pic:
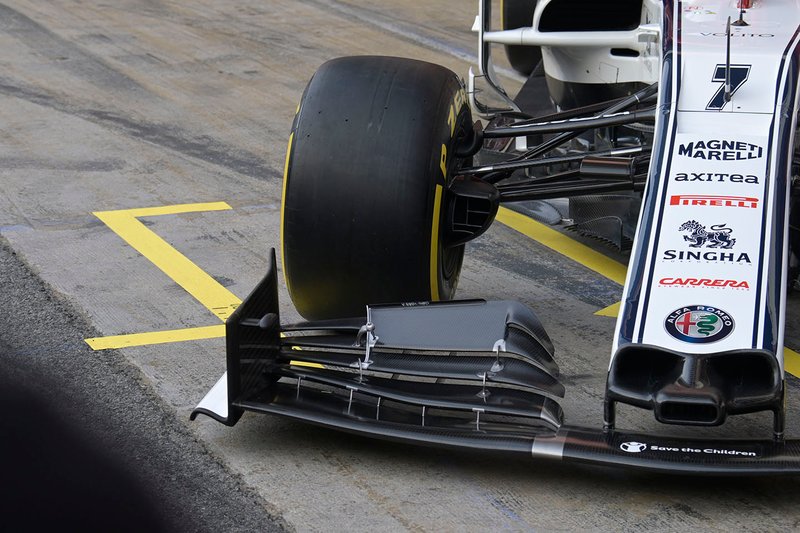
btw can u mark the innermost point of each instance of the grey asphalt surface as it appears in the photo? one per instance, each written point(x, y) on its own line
point(86, 444)
point(147, 103)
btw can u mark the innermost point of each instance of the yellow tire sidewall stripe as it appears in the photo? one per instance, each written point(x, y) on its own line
point(283, 204)
point(434, 275)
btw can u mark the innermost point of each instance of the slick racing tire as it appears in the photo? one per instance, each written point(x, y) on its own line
point(370, 156)
point(519, 14)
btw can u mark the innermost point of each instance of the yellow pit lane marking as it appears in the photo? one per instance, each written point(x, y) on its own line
point(157, 337)
point(558, 242)
point(592, 259)
point(204, 288)
point(597, 262)
point(220, 301)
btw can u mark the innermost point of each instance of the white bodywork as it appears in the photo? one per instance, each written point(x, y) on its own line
point(715, 232)
point(719, 170)
point(586, 57)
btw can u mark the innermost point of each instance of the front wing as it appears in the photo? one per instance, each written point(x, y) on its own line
point(494, 389)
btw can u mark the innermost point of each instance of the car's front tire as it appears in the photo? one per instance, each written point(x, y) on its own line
point(370, 156)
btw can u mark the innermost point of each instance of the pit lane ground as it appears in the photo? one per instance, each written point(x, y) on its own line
point(141, 157)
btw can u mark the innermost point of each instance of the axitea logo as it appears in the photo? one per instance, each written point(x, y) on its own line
point(716, 177)
point(719, 150)
point(703, 282)
point(718, 201)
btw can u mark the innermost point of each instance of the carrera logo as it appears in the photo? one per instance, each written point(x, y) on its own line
point(718, 150)
point(716, 177)
point(718, 201)
point(699, 324)
point(703, 282)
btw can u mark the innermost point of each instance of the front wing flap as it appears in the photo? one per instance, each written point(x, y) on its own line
point(396, 380)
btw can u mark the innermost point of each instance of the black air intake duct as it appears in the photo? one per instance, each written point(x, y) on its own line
point(694, 389)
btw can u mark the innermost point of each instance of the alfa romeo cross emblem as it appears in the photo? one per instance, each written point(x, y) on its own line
point(699, 324)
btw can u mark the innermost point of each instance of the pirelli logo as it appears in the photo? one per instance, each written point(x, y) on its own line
point(717, 201)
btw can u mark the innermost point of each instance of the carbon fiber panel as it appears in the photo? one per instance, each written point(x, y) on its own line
point(515, 371)
point(503, 401)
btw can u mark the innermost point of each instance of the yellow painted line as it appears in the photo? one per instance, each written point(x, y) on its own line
point(192, 278)
point(176, 209)
point(283, 200)
point(204, 288)
point(611, 311)
point(591, 259)
point(594, 260)
point(156, 337)
point(791, 362)
point(437, 206)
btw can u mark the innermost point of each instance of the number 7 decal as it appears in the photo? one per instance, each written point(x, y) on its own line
point(739, 75)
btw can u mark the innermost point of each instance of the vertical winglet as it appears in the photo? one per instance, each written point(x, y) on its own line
point(252, 343)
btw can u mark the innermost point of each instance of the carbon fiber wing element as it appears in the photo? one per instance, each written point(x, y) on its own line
point(450, 365)
point(471, 374)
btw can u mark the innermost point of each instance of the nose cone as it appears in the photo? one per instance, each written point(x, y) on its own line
point(695, 389)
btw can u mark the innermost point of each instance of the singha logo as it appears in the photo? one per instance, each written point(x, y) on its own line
point(718, 237)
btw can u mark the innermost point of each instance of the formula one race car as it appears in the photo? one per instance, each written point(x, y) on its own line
point(670, 127)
